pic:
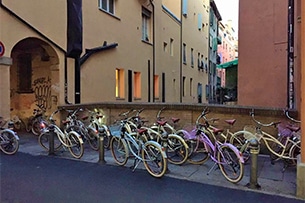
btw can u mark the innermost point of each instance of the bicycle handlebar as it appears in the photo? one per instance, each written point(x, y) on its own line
point(263, 124)
point(286, 112)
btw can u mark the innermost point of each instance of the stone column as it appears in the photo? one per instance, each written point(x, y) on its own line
point(5, 63)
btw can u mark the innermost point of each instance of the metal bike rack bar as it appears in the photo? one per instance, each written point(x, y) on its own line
point(254, 151)
point(101, 159)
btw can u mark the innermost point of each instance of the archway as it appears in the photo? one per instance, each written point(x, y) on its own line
point(34, 77)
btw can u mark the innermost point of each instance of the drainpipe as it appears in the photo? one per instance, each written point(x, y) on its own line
point(154, 54)
point(181, 43)
point(290, 56)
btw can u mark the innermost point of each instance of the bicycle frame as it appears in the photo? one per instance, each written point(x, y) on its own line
point(289, 143)
point(211, 148)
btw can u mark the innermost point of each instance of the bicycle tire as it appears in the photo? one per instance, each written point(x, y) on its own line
point(36, 127)
point(199, 154)
point(75, 144)
point(29, 124)
point(119, 150)
point(230, 163)
point(93, 139)
point(177, 150)
point(9, 144)
point(154, 159)
point(19, 125)
point(294, 151)
point(239, 140)
point(43, 141)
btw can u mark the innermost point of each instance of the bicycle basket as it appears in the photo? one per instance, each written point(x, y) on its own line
point(115, 130)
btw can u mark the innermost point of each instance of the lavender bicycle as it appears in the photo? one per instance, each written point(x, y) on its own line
point(225, 155)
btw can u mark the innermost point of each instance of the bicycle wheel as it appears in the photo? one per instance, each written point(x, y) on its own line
point(36, 127)
point(230, 163)
point(154, 159)
point(177, 150)
point(119, 150)
point(93, 139)
point(43, 141)
point(199, 154)
point(294, 151)
point(75, 143)
point(239, 140)
point(29, 124)
point(9, 144)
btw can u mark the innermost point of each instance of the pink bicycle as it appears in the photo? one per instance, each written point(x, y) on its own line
point(225, 155)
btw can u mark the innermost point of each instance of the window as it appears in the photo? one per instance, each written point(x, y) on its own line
point(137, 85)
point(107, 5)
point(146, 23)
point(164, 46)
point(119, 83)
point(191, 87)
point(24, 73)
point(184, 54)
point(192, 57)
point(156, 84)
point(198, 61)
point(171, 51)
point(183, 86)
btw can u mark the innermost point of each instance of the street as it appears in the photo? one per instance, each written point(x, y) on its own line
point(27, 178)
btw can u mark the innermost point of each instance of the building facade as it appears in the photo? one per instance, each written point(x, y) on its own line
point(154, 51)
point(265, 78)
point(227, 49)
point(214, 40)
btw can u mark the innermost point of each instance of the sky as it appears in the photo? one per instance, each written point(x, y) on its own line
point(228, 10)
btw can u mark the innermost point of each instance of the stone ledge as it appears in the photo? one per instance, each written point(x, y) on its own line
point(6, 61)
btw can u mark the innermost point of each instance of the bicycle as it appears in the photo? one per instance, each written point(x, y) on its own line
point(9, 140)
point(224, 136)
point(101, 128)
point(177, 149)
point(150, 153)
point(225, 155)
point(37, 121)
point(286, 151)
point(87, 132)
point(71, 140)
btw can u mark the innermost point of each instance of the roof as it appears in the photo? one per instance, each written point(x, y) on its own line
point(228, 64)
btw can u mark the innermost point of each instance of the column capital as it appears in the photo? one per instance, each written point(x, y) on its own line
point(6, 61)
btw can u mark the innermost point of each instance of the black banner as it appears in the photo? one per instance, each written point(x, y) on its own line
point(74, 28)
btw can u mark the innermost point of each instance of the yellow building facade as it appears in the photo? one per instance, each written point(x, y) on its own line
point(132, 51)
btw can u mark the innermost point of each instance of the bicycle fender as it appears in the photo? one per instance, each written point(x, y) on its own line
point(236, 151)
point(158, 145)
point(12, 132)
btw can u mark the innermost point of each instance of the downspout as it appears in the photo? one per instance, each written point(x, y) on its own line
point(154, 54)
point(181, 44)
point(290, 56)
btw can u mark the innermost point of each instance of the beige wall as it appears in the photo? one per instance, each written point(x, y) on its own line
point(198, 40)
point(46, 21)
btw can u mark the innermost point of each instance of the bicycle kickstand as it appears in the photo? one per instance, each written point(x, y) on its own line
point(212, 168)
point(135, 164)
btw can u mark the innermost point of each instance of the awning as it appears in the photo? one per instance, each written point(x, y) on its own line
point(228, 64)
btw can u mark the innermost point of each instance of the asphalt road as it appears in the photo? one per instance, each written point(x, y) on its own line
point(26, 178)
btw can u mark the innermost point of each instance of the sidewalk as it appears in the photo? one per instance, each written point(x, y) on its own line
point(271, 179)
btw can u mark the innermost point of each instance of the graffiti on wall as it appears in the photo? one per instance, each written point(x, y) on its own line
point(42, 91)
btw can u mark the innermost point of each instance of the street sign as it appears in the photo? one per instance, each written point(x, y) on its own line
point(2, 49)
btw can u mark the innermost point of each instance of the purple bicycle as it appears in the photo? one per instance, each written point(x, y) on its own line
point(225, 155)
